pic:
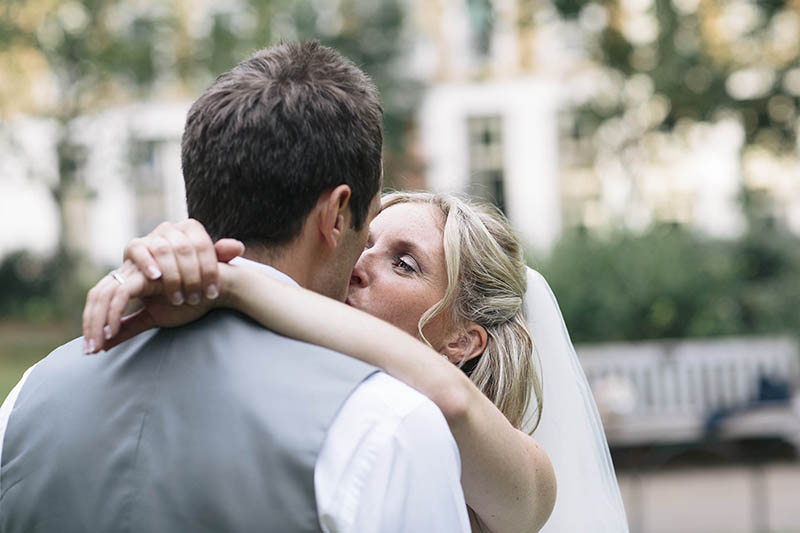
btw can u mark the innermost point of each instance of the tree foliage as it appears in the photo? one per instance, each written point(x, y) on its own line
point(697, 56)
point(688, 61)
point(96, 53)
point(670, 283)
point(92, 54)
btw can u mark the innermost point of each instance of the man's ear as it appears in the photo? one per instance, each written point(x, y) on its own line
point(334, 214)
point(466, 344)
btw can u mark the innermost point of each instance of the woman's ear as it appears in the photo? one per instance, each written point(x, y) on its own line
point(466, 344)
point(334, 214)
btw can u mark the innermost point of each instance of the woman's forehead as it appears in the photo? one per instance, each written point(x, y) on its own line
point(406, 213)
point(413, 221)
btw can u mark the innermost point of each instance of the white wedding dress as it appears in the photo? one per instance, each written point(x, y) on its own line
point(570, 431)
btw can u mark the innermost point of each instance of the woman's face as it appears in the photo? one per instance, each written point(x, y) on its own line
point(401, 272)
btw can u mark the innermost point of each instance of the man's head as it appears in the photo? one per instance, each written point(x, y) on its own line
point(271, 136)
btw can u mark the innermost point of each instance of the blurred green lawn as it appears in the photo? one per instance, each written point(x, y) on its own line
point(24, 343)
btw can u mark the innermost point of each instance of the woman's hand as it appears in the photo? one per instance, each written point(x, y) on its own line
point(178, 259)
point(183, 256)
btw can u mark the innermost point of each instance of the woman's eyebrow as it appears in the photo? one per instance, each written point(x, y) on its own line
point(414, 249)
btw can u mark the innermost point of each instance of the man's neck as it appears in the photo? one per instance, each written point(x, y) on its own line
point(286, 260)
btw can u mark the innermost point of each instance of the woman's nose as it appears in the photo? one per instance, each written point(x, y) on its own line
point(359, 275)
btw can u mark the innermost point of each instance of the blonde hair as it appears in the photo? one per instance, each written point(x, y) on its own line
point(486, 283)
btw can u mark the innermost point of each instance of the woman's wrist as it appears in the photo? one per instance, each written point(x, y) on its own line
point(229, 286)
point(237, 284)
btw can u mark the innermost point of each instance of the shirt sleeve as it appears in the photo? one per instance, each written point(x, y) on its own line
point(415, 482)
point(5, 413)
point(397, 471)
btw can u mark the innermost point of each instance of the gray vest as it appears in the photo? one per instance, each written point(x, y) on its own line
point(215, 426)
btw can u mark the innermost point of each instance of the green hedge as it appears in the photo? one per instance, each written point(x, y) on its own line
point(41, 289)
point(665, 283)
point(670, 283)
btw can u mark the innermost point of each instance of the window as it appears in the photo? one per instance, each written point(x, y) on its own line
point(486, 159)
point(149, 187)
point(481, 21)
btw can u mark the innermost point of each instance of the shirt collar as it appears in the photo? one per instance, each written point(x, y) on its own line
point(265, 269)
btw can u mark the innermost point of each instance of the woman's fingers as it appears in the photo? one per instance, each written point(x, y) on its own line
point(95, 313)
point(114, 291)
point(88, 313)
point(227, 249)
point(138, 252)
point(131, 326)
point(184, 257)
point(135, 286)
point(188, 265)
point(206, 257)
point(162, 251)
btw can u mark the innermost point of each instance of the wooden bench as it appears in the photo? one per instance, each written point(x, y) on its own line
point(669, 392)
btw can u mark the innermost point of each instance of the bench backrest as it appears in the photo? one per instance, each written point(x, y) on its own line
point(694, 376)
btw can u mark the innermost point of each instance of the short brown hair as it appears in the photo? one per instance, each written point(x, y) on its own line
point(272, 134)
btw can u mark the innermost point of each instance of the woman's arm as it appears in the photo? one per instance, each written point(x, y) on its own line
point(507, 478)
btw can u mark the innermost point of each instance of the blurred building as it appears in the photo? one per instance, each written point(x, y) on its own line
point(488, 123)
point(132, 180)
point(501, 79)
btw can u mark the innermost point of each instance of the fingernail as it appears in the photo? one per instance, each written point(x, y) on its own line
point(177, 298)
point(194, 299)
point(212, 292)
point(92, 346)
point(107, 331)
point(153, 272)
point(85, 347)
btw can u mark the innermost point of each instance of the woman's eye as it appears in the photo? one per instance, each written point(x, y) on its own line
point(407, 267)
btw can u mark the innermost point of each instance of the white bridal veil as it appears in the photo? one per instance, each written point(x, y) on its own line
point(570, 430)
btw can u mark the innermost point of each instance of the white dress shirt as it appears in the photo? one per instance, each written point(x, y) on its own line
point(388, 463)
point(5, 412)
